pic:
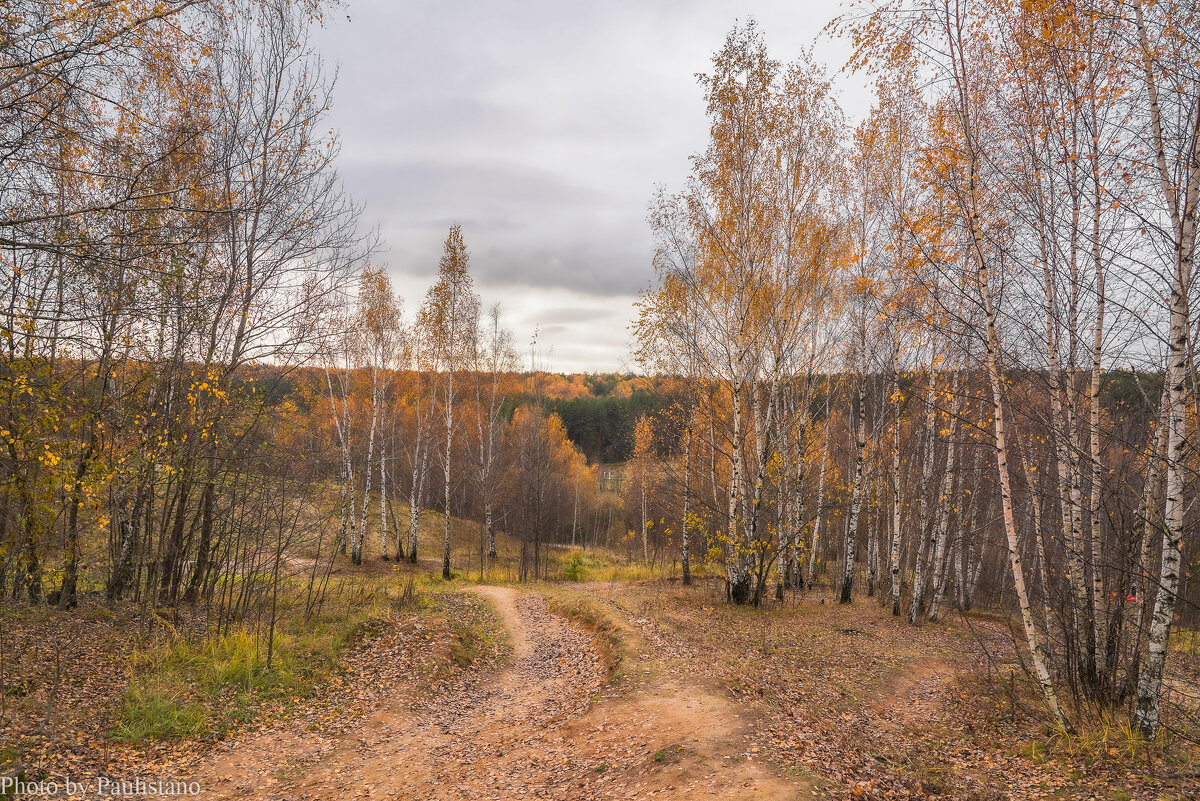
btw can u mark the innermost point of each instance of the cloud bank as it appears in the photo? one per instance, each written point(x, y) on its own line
point(543, 128)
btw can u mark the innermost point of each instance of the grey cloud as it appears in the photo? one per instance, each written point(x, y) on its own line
point(542, 127)
point(600, 269)
point(419, 189)
point(567, 316)
point(524, 226)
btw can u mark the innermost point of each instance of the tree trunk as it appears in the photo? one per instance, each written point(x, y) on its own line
point(356, 551)
point(684, 557)
point(1149, 692)
point(449, 448)
point(992, 339)
point(383, 495)
point(817, 515)
point(850, 543)
point(924, 545)
point(894, 547)
point(942, 512)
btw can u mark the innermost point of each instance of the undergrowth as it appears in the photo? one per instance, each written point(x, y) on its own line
point(1108, 737)
point(193, 685)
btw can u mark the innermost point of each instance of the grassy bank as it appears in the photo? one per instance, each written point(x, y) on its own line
point(615, 641)
point(184, 686)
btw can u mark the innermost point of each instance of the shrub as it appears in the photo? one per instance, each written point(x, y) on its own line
point(573, 571)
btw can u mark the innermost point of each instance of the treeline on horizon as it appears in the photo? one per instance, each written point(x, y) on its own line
point(598, 410)
point(602, 423)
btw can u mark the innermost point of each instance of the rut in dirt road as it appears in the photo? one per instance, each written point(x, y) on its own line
point(554, 673)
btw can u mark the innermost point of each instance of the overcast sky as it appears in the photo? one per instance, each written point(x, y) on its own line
point(542, 126)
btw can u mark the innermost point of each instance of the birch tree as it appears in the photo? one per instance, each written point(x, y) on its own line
point(750, 249)
point(378, 334)
point(948, 36)
point(495, 359)
point(1167, 43)
point(450, 317)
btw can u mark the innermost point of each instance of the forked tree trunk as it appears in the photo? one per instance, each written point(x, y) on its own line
point(489, 526)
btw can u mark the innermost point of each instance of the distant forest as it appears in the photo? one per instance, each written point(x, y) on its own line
point(602, 424)
point(599, 410)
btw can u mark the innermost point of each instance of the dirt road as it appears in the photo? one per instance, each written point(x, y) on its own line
point(537, 728)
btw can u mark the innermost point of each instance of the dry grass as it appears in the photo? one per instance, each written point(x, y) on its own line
point(134, 676)
point(869, 702)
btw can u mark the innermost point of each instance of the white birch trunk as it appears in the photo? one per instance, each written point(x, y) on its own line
point(417, 488)
point(818, 513)
point(1151, 523)
point(894, 547)
point(1036, 648)
point(735, 560)
point(924, 546)
point(1099, 611)
point(851, 537)
point(383, 528)
point(684, 556)
point(942, 511)
point(357, 548)
point(1035, 507)
point(1183, 218)
point(446, 471)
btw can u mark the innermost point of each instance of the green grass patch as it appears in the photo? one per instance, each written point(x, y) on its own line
point(595, 565)
point(159, 709)
point(470, 643)
point(188, 686)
